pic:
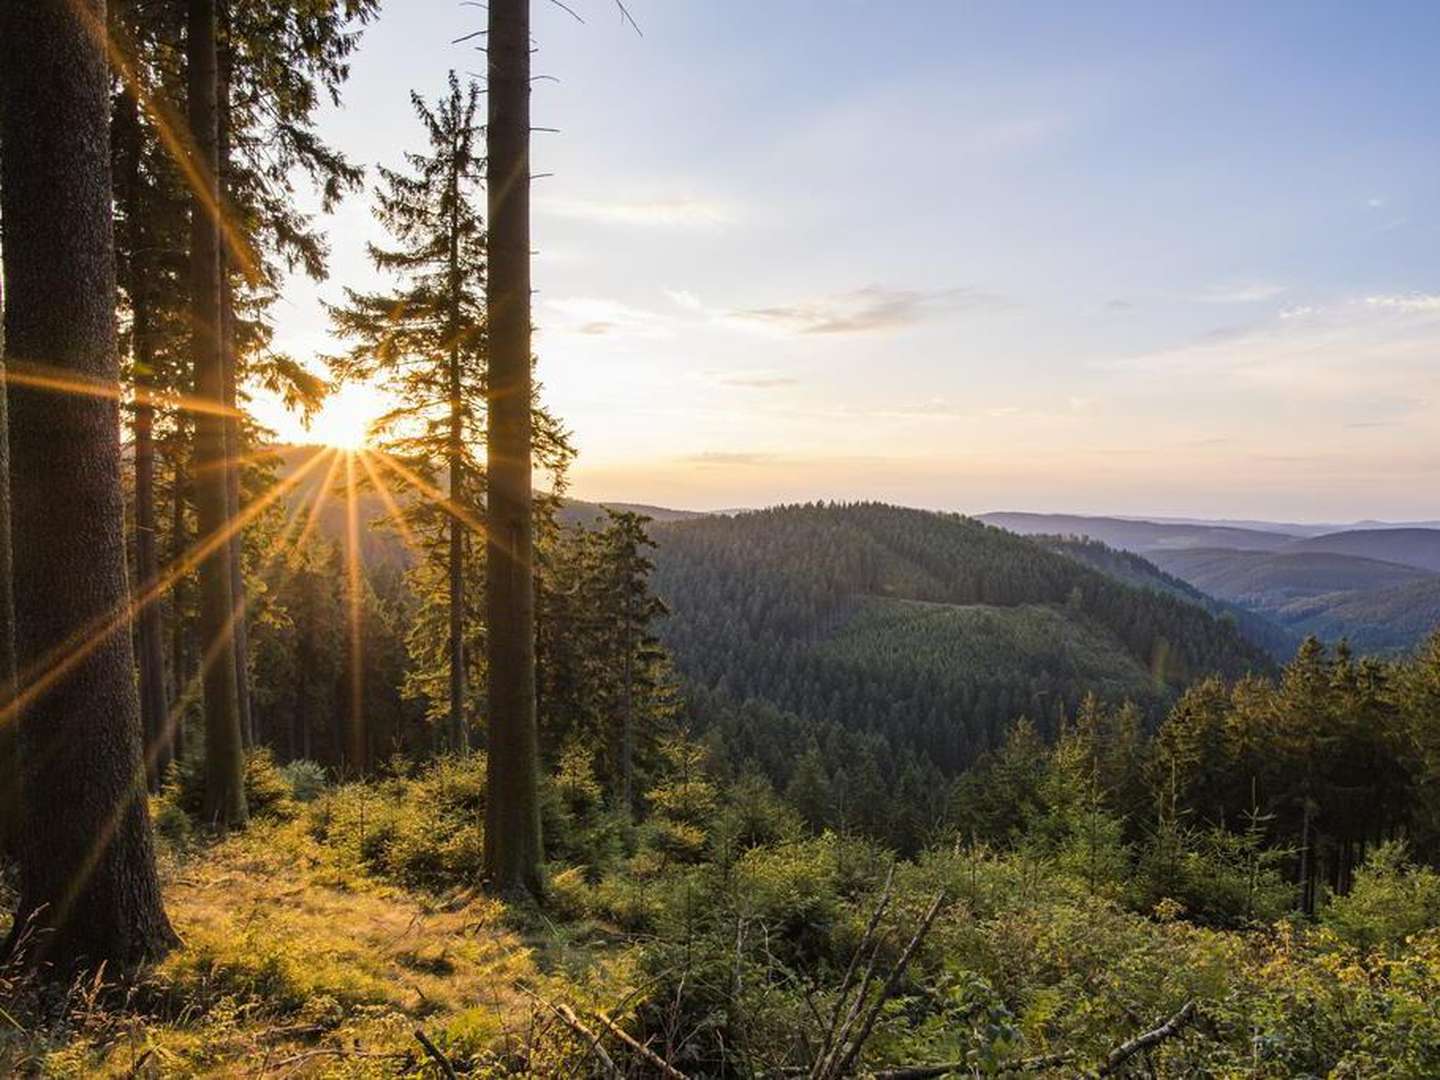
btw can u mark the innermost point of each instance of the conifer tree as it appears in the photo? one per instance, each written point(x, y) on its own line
point(87, 868)
point(426, 343)
point(224, 750)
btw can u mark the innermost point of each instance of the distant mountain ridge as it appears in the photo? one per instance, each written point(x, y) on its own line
point(1375, 586)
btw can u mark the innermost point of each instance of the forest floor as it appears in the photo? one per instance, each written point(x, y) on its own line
point(294, 965)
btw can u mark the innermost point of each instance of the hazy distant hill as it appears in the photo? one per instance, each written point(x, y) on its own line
point(1390, 619)
point(1369, 584)
point(1375, 605)
point(1411, 546)
point(934, 629)
point(1140, 536)
point(1269, 579)
point(576, 512)
point(379, 542)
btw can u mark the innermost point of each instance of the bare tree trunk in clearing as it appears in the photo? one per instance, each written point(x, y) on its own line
point(87, 866)
point(513, 849)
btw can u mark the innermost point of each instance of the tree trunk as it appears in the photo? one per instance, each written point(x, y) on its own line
point(627, 736)
point(224, 803)
point(236, 545)
point(87, 866)
point(9, 745)
point(459, 732)
point(513, 849)
point(149, 644)
point(179, 668)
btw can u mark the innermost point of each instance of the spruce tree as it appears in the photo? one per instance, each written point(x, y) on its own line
point(425, 342)
point(87, 868)
point(224, 750)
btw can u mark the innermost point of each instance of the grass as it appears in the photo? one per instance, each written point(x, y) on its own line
point(295, 964)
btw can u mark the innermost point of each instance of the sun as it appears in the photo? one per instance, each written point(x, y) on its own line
point(344, 420)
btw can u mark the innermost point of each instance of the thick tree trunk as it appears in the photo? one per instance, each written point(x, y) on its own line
point(149, 644)
point(513, 849)
point(9, 745)
point(87, 867)
point(224, 752)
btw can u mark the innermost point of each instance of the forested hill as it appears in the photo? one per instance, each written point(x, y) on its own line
point(1280, 642)
point(932, 630)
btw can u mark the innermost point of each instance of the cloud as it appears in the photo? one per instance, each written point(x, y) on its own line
point(758, 380)
point(1366, 358)
point(730, 457)
point(1410, 303)
point(685, 298)
point(597, 317)
point(1247, 293)
point(870, 308)
point(1119, 305)
point(672, 213)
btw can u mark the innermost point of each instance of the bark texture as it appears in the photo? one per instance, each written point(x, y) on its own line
point(224, 751)
point(149, 643)
point(87, 865)
point(513, 850)
point(9, 756)
point(459, 729)
point(233, 439)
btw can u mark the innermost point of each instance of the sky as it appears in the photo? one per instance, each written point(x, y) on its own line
point(1138, 258)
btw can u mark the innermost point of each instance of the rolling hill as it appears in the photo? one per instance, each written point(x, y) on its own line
point(1265, 580)
point(1142, 536)
point(934, 630)
point(1132, 569)
point(1373, 585)
point(1409, 546)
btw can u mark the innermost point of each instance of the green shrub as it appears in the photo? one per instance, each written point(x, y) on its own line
point(307, 779)
point(1390, 901)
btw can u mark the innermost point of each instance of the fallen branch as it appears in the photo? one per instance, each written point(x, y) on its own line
point(569, 1019)
point(435, 1054)
point(945, 1068)
point(337, 1051)
point(1125, 1051)
point(666, 1069)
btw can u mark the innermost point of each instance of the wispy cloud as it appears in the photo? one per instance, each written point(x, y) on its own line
point(1243, 293)
point(730, 457)
point(681, 212)
point(757, 380)
point(1370, 357)
point(594, 316)
point(1410, 303)
point(685, 298)
point(870, 308)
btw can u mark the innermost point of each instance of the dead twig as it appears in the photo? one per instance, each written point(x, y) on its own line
point(930, 1072)
point(435, 1054)
point(1125, 1051)
point(666, 1069)
point(569, 1019)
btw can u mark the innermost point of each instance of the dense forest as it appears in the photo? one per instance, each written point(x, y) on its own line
point(930, 632)
point(391, 760)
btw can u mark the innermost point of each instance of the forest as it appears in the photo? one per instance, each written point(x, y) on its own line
point(393, 760)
